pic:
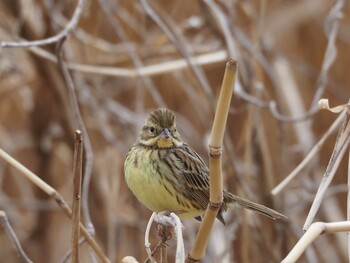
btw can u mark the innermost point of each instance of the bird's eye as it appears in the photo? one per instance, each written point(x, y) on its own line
point(152, 129)
point(175, 130)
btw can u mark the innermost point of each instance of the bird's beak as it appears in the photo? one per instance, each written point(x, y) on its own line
point(165, 133)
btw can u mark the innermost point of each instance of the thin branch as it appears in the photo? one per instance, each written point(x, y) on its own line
point(68, 254)
point(132, 52)
point(170, 29)
point(149, 70)
point(332, 26)
point(281, 117)
point(164, 220)
point(172, 221)
point(77, 172)
point(63, 34)
point(11, 233)
point(27, 173)
point(147, 243)
point(272, 106)
point(309, 157)
point(315, 230)
point(223, 24)
point(89, 155)
point(53, 195)
point(341, 144)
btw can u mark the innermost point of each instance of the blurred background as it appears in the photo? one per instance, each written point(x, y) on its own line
point(129, 57)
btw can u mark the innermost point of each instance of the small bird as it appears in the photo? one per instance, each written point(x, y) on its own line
point(166, 174)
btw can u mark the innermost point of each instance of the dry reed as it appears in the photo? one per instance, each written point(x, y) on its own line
point(124, 58)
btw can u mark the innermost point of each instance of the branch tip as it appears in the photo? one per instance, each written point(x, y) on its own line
point(232, 63)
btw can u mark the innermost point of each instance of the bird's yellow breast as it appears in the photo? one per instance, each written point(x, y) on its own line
point(145, 175)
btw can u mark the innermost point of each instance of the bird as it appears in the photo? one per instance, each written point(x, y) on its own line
point(166, 174)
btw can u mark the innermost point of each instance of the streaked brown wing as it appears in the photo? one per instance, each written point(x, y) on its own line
point(193, 175)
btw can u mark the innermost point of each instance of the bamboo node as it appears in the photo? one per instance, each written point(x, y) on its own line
point(215, 206)
point(215, 152)
point(190, 259)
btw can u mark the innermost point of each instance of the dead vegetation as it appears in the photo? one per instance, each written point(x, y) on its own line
point(126, 57)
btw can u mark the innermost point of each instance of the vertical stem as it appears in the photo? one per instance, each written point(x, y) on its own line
point(53, 195)
point(215, 148)
point(163, 253)
point(77, 171)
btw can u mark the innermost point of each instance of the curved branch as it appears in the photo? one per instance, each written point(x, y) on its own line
point(64, 33)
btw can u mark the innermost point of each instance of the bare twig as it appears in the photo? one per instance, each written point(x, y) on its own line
point(309, 157)
point(223, 24)
point(332, 26)
point(63, 34)
point(54, 195)
point(89, 155)
point(7, 226)
point(68, 254)
point(132, 53)
point(149, 70)
point(341, 144)
point(281, 117)
point(77, 171)
point(147, 243)
point(170, 29)
point(315, 230)
point(163, 253)
point(173, 221)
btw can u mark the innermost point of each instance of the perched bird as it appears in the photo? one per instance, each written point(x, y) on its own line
point(166, 174)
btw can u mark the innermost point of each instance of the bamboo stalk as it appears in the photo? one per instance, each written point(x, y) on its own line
point(215, 164)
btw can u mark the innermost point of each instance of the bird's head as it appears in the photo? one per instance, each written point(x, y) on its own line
point(160, 130)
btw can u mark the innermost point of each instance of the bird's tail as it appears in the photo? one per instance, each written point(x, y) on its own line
point(234, 201)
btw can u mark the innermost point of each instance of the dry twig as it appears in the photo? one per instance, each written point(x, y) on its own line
point(89, 155)
point(309, 157)
point(63, 34)
point(170, 29)
point(140, 71)
point(132, 53)
point(77, 171)
point(52, 193)
point(315, 230)
point(166, 224)
point(341, 144)
point(11, 233)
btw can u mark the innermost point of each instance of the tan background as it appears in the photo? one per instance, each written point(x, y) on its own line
point(280, 47)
